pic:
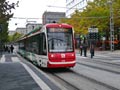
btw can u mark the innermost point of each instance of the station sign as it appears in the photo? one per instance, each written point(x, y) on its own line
point(93, 30)
point(93, 33)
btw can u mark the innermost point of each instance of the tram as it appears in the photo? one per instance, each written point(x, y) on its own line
point(52, 46)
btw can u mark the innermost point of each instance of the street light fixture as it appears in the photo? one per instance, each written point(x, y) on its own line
point(110, 2)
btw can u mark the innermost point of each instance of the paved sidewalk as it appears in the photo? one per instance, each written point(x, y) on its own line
point(17, 74)
point(103, 56)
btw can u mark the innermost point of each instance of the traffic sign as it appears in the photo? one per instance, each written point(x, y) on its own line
point(93, 33)
point(93, 36)
point(93, 30)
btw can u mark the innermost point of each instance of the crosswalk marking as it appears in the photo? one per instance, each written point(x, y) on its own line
point(40, 82)
point(15, 59)
point(2, 59)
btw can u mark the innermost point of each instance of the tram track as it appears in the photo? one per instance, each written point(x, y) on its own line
point(66, 84)
point(99, 68)
point(82, 80)
point(85, 79)
point(63, 82)
point(98, 82)
point(108, 60)
point(103, 62)
point(69, 86)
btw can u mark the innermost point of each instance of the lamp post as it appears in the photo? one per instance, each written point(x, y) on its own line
point(110, 2)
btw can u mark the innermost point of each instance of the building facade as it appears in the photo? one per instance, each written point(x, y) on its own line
point(32, 26)
point(21, 30)
point(72, 5)
point(11, 32)
point(49, 17)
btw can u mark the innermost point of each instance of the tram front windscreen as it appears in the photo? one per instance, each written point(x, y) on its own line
point(60, 39)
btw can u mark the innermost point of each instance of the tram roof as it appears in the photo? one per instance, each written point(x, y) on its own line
point(64, 25)
point(33, 31)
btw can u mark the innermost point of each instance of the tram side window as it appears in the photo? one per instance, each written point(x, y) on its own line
point(34, 43)
point(42, 45)
point(21, 45)
point(29, 45)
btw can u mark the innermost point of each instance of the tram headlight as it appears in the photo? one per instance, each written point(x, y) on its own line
point(52, 55)
point(72, 55)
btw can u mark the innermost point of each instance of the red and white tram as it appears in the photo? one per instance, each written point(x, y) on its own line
point(52, 46)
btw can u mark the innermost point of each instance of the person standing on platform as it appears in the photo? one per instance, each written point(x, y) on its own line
point(92, 50)
point(81, 47)
point(85, 45)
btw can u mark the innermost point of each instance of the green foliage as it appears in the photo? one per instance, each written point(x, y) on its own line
point(5, 15)
point(14, 37)
point(96, 13)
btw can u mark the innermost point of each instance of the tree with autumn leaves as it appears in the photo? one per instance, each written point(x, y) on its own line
point(96, 13)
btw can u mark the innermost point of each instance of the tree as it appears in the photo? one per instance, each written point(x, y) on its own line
point(96, 13)
point(14, 37)
point(5, 14)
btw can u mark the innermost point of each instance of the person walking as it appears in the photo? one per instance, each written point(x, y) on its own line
point(81, 47)
point(85, 45)
point(92, 50)
point(6, 48)
point(11, 48)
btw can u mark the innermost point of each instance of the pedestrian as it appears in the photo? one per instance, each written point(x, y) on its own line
point(4, 48)
point(81, 47)
point(11, 48)
point(85, 45)
point(92, 50)
point(8, 49)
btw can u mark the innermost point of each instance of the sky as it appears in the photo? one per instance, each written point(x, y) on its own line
point(33, 9)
